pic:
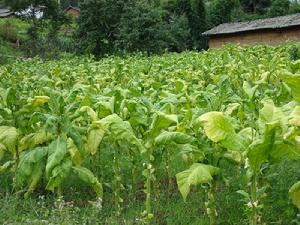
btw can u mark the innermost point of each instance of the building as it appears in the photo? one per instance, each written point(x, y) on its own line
point(5, 12)
point(265, 31)
point(73, 11)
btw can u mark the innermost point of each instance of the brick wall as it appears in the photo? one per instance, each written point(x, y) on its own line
point(256, 37)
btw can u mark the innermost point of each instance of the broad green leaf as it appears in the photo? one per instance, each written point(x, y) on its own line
point(259, 151)
point(31, 167)
point(91, 113)
point(35, 139)
point(56, 154)
point(167, 137)
point(89, 178)
point(293, 81)
point(121, 130)
point(94, 138)
point(295, 117)
point(6, 166)
point(106, 107)
point(218, 128)
point(35, 177)
point(74, 152)
point(231, 108)
point(250, 91)
point(271, 114)
point(162, 121)
point(197, 174)
point(39, 100)
point(234, 156)
point(59, 174)
point(8, 138)
point(285, 150)
point(2, 151)
point(77, 139)
point(294, 193)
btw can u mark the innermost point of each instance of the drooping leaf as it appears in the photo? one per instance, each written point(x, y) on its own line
point(31, 167)
point(77, 139)
point(167, 137)
point(35, 139)
point(59, 174)
point(271, 114)
point(56, 154)
point(295, 117)
point(218, 128)
point(293, 81)
point(94, 138)
point(197, 174)
point(121, 130)
point(6, 166)
point(2, 151)
point(91, 113)
point(39, 100)
point(250, 91)
point(89, 178)
point(162, 121)
point(294, 193)
point(8, 138)
point(259, 151)
point(74, 152)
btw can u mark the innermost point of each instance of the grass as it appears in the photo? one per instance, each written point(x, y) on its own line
point(46, 208)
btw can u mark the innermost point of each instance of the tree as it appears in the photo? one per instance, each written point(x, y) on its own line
point(255, 6)
point(195, 12)
point(48, 25)
point(147, 28)
point(221, 12)
point(279, 8)
point(98, 25)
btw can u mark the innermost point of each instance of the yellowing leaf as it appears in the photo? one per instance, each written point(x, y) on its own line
point(56, 154)
point(39, 100)
point(218, 128)
point(94, 138)
point(35, 139)
point(88, 177)
point(294, 193)
point(293, 81)
point(197, 174)
point(8, 138)
point(74, 152)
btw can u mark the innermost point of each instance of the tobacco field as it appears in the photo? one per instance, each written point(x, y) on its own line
point(208, 137)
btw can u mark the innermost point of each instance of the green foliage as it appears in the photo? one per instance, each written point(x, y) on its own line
point(279, 8)
point(98, 25)
point(145, 28)
point(294, 193)
point(224, 121)
point(221, 12)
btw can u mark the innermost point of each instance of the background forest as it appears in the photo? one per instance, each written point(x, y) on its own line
point(124, 26)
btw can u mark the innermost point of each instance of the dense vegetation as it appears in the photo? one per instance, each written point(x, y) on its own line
point(122, 26)
point(220, 128)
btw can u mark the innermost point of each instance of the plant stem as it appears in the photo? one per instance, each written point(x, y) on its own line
point(211, 206)
point(117, 181)
point(168, 156)
point(254, 200)
point(134, 175)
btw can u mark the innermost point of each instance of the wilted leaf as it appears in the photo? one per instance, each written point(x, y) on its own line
point(88, 177)
point(196, 174)
point(218, 128)
point(8, 138)
point(294, 193)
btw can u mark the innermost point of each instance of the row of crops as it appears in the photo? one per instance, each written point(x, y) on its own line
point(124, 125)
